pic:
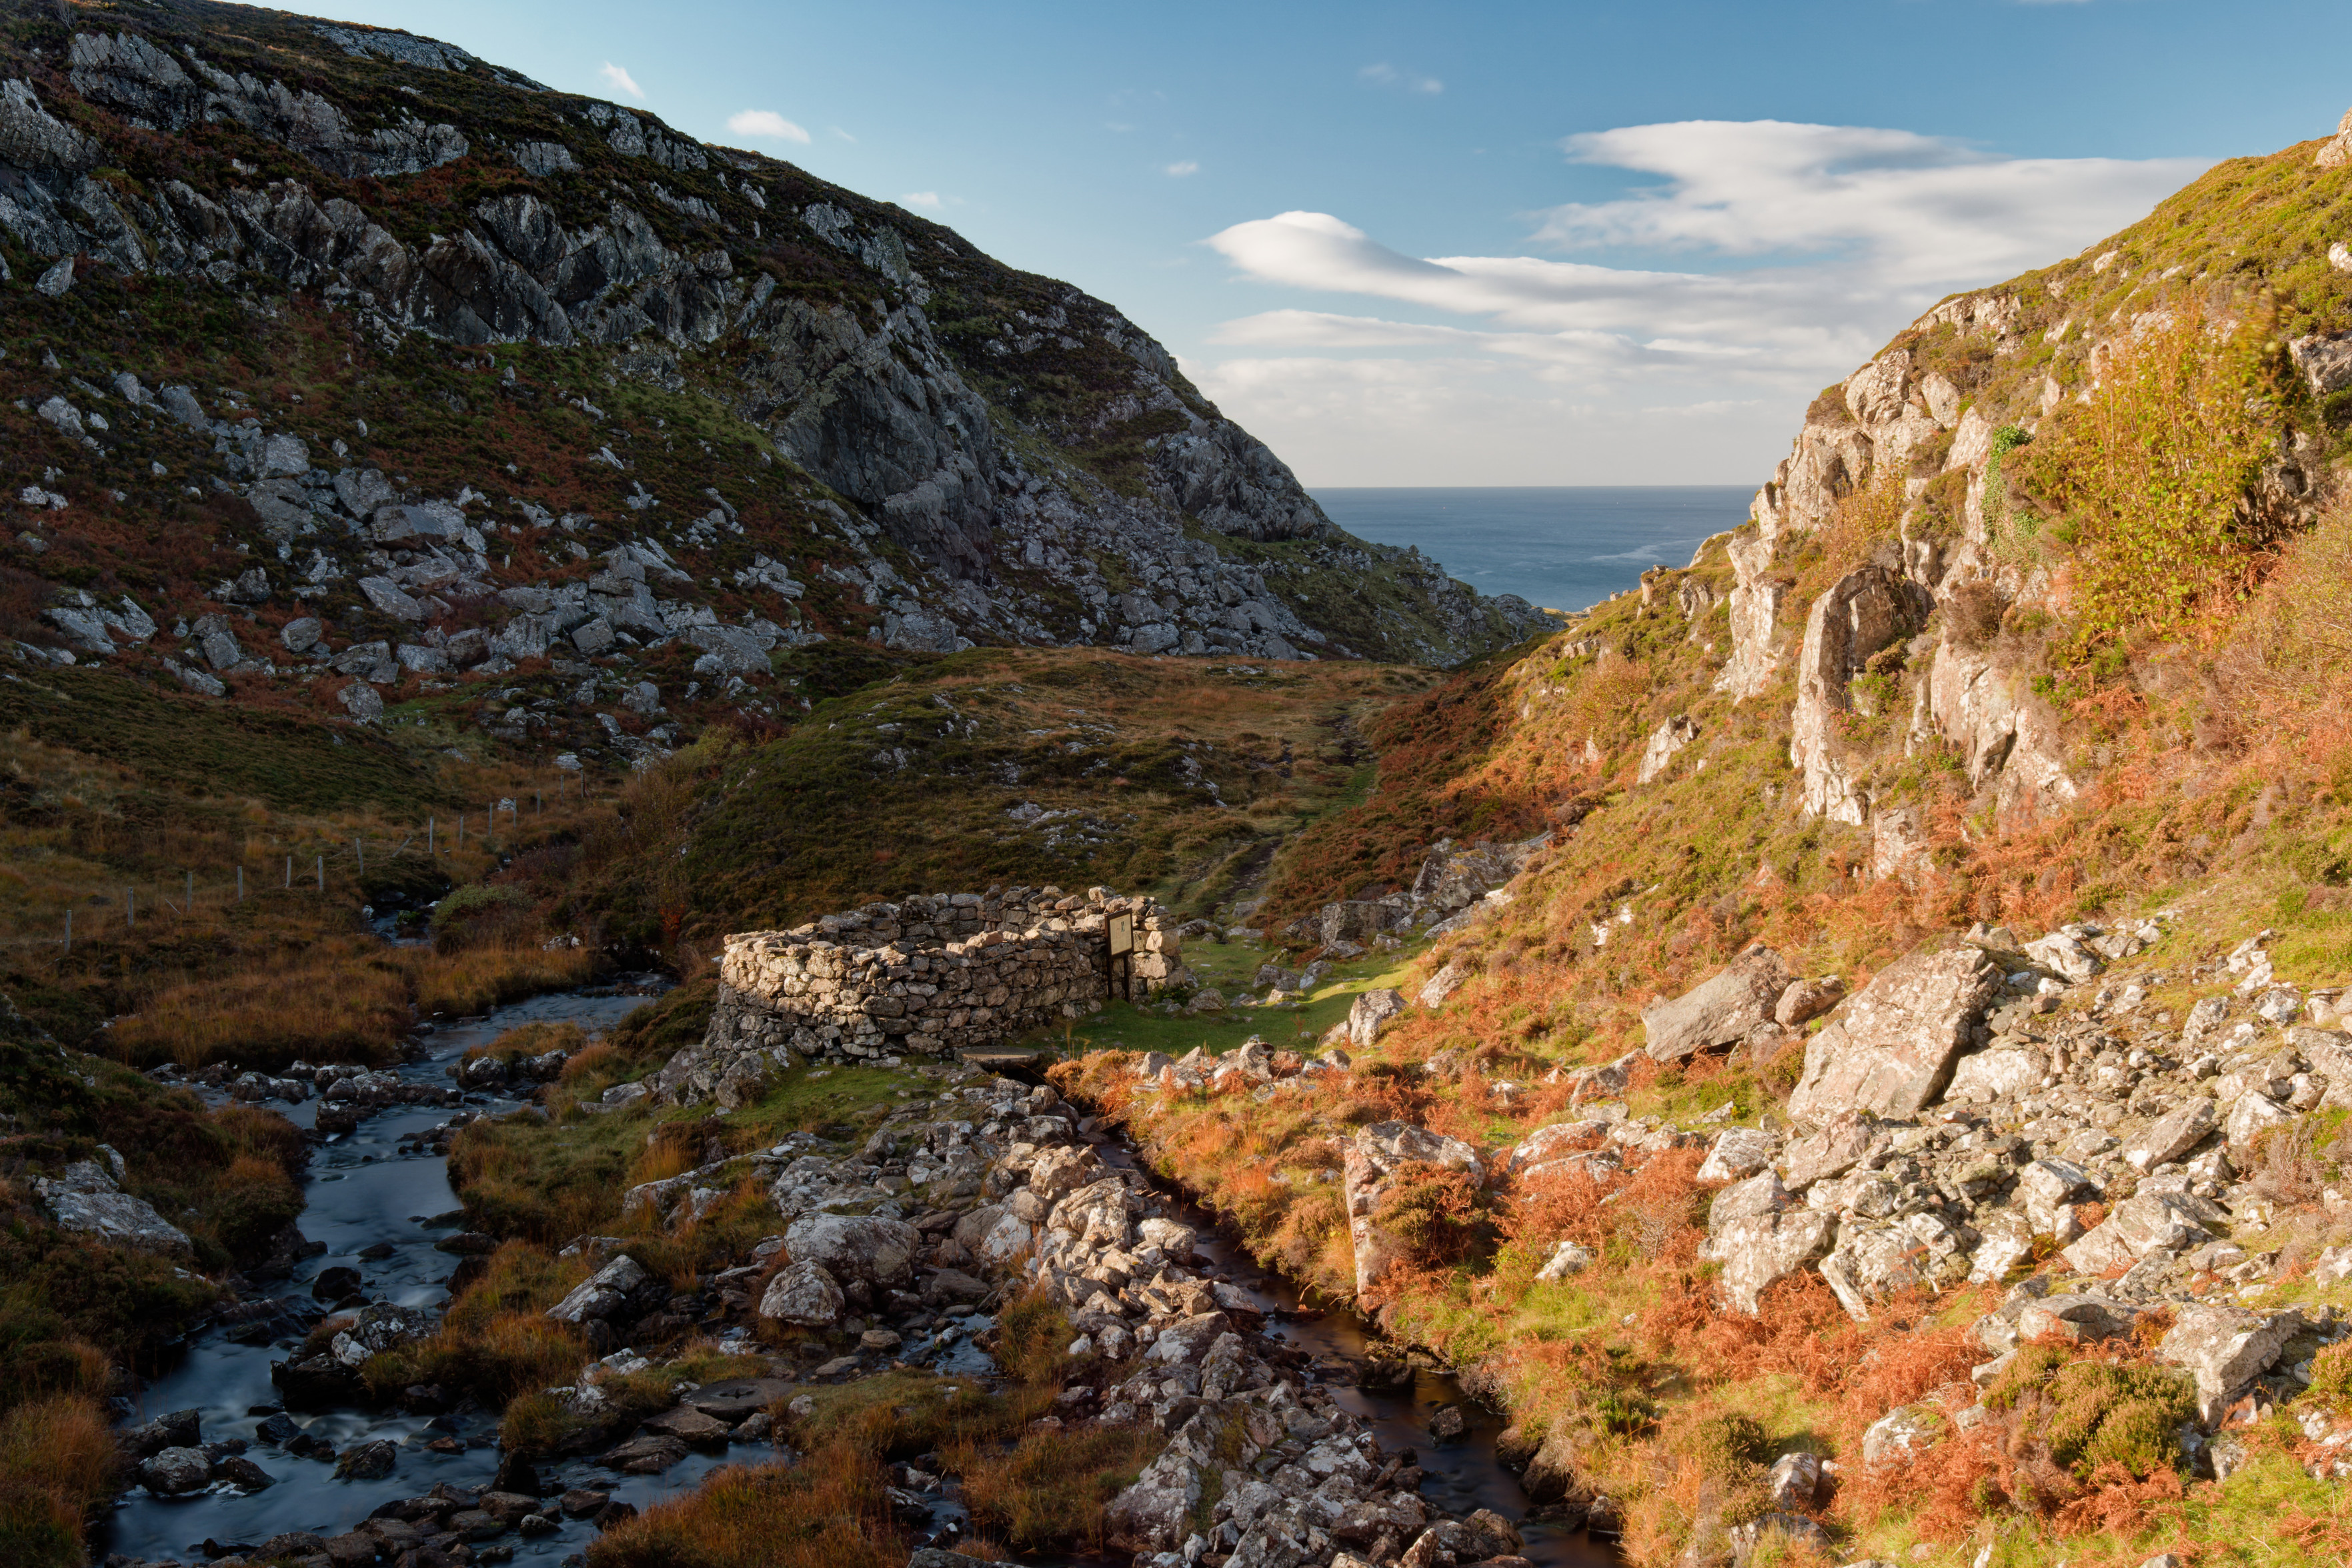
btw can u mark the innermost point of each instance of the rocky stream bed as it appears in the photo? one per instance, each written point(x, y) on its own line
point(1294, 1437)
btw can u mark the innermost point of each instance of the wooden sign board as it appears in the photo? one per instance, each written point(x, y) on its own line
point(1122, 935)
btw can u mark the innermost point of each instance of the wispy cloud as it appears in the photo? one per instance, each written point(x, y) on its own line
point(1385, 74)
point(1180, 169)
point(620, 80)
point(837, 131)
point(926, 199)
point(1761, 259)
point(765, 125)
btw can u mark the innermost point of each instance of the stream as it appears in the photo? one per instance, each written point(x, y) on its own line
point(360, 1192)
point(363, 1196)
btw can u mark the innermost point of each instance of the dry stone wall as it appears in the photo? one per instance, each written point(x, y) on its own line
point(929, 976)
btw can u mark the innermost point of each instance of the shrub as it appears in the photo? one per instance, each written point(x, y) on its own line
point(2146, 481)
point(2092, 1413)
point(1435, 1214)
point(56, 1465)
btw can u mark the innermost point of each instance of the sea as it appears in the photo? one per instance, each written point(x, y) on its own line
point(1557, 547)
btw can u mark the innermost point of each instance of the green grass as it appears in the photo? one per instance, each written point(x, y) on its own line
point(206, 748)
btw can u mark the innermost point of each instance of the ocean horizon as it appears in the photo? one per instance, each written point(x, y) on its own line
point(1564, 547)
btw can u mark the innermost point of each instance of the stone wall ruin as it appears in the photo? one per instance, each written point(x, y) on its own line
point(930, 974)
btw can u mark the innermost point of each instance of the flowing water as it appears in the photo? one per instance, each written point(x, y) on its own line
point(362, 1194)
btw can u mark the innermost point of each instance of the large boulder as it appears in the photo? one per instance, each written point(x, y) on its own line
point(2225, 1348)
point(606, 1293)
point(175, 1470)
point(1891, 1047)
point(1720, 1011)
point(856, 1247)
point(1374, 1157)
point(803, 1294)
point(1756, 1251)
point(1758, 1238)
point(86, 1201)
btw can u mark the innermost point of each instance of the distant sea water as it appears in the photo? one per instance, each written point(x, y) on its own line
point(1558, 547)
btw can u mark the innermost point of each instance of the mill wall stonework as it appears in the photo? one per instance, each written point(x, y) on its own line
point(930, 974)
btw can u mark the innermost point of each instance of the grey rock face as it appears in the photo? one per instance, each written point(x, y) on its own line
point(1865, 611)
point(1720, 1011)
point(1891, 1047)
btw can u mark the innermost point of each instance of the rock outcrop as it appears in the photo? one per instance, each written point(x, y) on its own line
point(994, 439)
point(1890, 1049)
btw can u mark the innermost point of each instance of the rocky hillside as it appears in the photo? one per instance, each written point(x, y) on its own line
point(348, 368)
point(1896, 1112)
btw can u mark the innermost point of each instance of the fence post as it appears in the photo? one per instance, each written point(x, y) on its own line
point(431, 853)
point(358, 848)
point(240, 883)
point(289, 871)
point(322, 873)
point(130, 908)
point(188, 897)
point(68, 930)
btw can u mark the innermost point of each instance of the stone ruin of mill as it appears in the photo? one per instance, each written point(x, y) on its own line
point(932, 974)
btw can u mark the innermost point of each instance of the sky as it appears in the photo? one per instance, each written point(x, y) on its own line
point(1479, 243)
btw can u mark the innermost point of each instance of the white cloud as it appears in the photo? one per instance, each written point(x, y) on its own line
point(1178, 170)
point(837, 131)
point(620, 80)
point(1386, 75)
point(1765, 259)
point(929, 199)
point(765, 125)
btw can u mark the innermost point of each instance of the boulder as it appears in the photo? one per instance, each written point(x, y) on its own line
point(1373, 1009)
point(2251, 1115)
point(1990, 1075)
point(172, 1471)
point(1375, 1156)
point(1757, 1250)
point(2172, 1136)
point(2225, 1348)
point(368, 1461)
point(2143, 1223)
point(86, 1201)
point(803, 1294)
point(604, 1294)
point(856, 1247)
point(1804, 1000)
point(1720, 1010)
point(694, 1428)
point(1568, 1258)
point(1836, 1149)
point(1900, 1433)
point(1443, 983)
point(1738, 1152)
point(1890, 1047)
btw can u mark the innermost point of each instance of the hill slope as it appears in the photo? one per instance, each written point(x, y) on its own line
point(347, 367)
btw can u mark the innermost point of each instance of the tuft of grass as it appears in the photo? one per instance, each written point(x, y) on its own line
point(1051, 1488)
point(56, 1469)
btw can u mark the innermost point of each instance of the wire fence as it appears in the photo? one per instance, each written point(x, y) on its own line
point(311, 870)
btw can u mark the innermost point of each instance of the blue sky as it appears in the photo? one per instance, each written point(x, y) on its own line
point(1479, 243)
